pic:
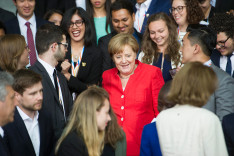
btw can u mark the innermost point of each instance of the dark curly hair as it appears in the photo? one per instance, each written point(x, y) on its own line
point(223, 22)
point(150, 49)
point(194, 11)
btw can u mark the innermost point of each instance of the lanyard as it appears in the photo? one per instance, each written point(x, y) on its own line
point(74, 69)
point(138, 20)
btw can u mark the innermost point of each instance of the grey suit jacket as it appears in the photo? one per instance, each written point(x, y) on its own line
point(222, 101)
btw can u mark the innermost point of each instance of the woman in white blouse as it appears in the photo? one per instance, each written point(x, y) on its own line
point(186, 129)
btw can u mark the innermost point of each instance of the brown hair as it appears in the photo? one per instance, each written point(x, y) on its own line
point(194, 11)
point(12, 46)
point(193, 85)
point(150, 48)
point(163, 102)
point(119, 41)
point(25, 78)
point(113, 131)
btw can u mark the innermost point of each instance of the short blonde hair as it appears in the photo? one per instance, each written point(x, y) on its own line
point(12, 47)
point(119, 41)
point(193, 85)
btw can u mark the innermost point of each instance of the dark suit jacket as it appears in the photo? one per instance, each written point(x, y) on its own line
point(3, 148)
point(156, 6)
point(51, 102)
point(103, 45)
point(228, 129)
point(42, 6)
point(90, 69)
point(224, 6)
point(73, 145)
point(5, 15)
point(18, 139)
point(12, 26)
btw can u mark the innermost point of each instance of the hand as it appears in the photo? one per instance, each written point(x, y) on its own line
point(65, 66)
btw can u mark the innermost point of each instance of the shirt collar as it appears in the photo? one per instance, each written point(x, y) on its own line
point(47, 66)
point(208, 63)
point(25, 116)
point(1, 132)
point(146, 4)
point(22, 21)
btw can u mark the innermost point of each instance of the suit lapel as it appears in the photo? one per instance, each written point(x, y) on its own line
point(42, 134)
point(23, 132)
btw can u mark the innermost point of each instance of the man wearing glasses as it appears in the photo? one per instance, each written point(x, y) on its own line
point(52, 46)
point(223, 56)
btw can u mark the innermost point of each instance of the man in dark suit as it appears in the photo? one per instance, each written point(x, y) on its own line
point(31, 133)
point(52, 46)
point(18, 25)
point(197, 46)
point(228, 129)
point(122, 14)
point(145, 8)
point(223, 55)
point(7, 107)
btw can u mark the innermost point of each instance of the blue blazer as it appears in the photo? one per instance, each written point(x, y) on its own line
point(228, 129)
point(149, 141)
point(156, 6)
point(12, 26)
point(18, 139)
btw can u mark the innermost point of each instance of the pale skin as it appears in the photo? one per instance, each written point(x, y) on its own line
point(99, 11)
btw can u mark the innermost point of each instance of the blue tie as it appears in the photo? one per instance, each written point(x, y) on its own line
point(229, 65)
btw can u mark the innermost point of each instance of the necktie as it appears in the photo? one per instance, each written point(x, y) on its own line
point(229, 65)
point(32, 53)
point(56, 81)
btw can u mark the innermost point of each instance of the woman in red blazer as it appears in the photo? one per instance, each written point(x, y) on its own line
point(133, 88)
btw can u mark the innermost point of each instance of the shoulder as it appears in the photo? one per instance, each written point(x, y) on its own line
point(147, 68)
point(150, 128)
point(107, 37)
point(41, 21)
point(223, 77)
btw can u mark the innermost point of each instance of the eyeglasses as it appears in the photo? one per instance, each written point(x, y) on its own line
point(222, 43)
point(179, 9)
point(78, 23)
point(64, 44)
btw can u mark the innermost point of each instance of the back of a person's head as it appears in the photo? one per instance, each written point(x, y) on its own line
point(204, 37)
point(6, 79)
point(122, 4)
point(12, 47)
point(46, 35)
point(193, 85)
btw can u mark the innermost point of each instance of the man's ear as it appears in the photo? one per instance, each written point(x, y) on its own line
point(133, 16)
point(197, 49)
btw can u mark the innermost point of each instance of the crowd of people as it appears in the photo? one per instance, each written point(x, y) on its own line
point(117, 78)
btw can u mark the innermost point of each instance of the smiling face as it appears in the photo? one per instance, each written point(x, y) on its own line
point(125, 61)
point(98, 3)
point(179, 17)
point(228, 46)
point(103, 116)
point(159, 33)
point(25, 8)
point(77, 32)
point(56, 19)
point(123, 21)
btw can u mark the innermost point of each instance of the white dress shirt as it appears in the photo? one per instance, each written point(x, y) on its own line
point(1, 132)
point(223, 62)
point(81, 3)
point(140, 14)
point(32, 127)
point(186, 130)
point(50, 71)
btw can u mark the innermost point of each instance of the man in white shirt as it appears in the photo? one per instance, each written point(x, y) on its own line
point(197, 46)
point(223, 24)
point(145, 8)
point(31, 133)
point(17, 25)
point(7, 107)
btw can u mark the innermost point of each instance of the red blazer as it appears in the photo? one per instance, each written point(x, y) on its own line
point(136, 106)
